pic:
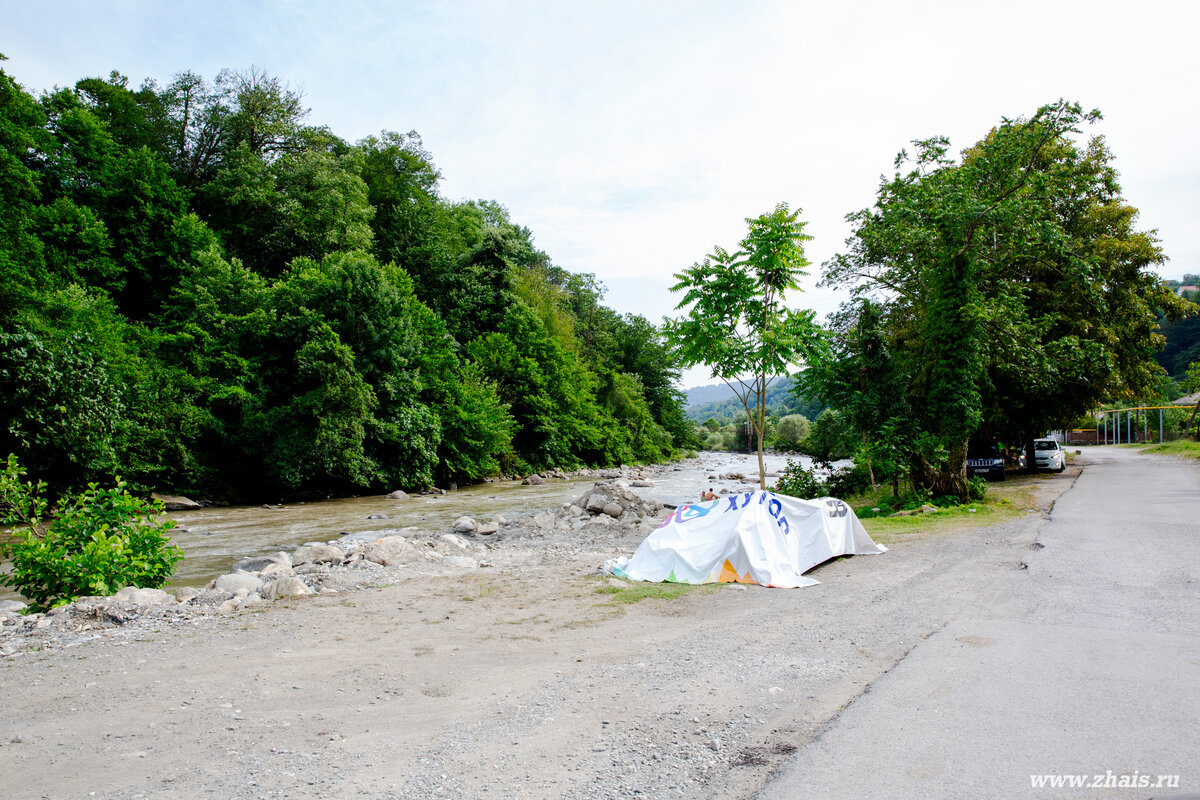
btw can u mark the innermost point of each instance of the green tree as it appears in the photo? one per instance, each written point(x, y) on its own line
point(791, 431)
point(859, 376)
point(737, 322)
point(1017, 286)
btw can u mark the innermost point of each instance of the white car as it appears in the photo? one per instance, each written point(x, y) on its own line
point(1049, 454)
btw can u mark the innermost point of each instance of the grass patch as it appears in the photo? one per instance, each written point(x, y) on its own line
point(1179, 447)
point(1003, 501)
point(637, 591)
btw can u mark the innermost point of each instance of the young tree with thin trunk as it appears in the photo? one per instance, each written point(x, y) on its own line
point(736, 321)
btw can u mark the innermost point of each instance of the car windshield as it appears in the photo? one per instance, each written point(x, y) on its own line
point(1051, 445)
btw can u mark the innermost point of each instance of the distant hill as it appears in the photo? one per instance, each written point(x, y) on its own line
point(719, 402)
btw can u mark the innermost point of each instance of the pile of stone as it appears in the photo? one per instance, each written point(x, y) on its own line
point(315, 568)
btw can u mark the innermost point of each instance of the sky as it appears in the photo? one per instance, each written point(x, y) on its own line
point(632, 138)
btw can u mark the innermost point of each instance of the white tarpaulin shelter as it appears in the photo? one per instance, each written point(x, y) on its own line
point(754, 537)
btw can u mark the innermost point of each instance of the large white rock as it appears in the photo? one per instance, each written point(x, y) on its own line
point(456, 541)
point(144, 597)
point(392, 551)
point(176, 502)
point(285, 587)
point(238, 581)
point(317, 554)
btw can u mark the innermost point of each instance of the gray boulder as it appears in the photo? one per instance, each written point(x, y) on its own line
point(259, 563)
point(398, 495)
point(614, 510)
point(533, 480)
point(464, 525)
point(14, 606)
point(486, 528)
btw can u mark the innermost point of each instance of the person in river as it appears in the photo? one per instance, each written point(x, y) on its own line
point(709, 495)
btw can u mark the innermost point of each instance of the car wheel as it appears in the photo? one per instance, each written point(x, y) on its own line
point(1062, 466)
point(1000, 475)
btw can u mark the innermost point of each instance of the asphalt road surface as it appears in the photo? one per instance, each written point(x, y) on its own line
point(1081, 673)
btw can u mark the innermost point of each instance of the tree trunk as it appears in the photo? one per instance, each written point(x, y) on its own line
point(950, 479)
point(870, 468)
point(762, 424)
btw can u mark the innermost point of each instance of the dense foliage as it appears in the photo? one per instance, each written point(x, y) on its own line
point(95, 543)
point(1181, 337)
point(203, 292)
point(1000, 296)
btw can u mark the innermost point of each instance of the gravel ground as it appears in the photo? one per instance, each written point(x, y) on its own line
point(518, 678)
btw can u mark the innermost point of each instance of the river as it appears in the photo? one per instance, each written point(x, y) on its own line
point(213, 539)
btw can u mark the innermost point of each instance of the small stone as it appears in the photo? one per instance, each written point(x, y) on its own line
point(486, 528)
point(464, 525)
point(614, 510)
point(377, 516)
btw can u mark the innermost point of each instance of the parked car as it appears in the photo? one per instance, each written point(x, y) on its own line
point(1049, 454)
point(985, 461)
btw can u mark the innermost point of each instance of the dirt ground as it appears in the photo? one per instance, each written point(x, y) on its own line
point(509, 682)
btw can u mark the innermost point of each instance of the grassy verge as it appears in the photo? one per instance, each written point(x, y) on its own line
point(1179, 447)
point(1003, 501)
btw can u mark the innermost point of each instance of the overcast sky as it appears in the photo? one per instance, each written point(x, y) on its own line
point(632, 137)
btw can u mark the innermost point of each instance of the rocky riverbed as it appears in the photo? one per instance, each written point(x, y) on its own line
point(607, 520)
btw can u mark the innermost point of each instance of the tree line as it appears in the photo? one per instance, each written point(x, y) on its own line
point(204, 292)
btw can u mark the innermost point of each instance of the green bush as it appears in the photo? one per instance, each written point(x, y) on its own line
point(97, 542)
point(797, 481)
point(976, 488)
point(848, 481)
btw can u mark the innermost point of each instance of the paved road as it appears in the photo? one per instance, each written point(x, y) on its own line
point(1087, 663)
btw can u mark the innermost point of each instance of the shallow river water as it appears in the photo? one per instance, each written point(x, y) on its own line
point(213, 539)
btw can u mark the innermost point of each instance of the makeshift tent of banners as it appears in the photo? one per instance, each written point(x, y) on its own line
point(755, 537)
